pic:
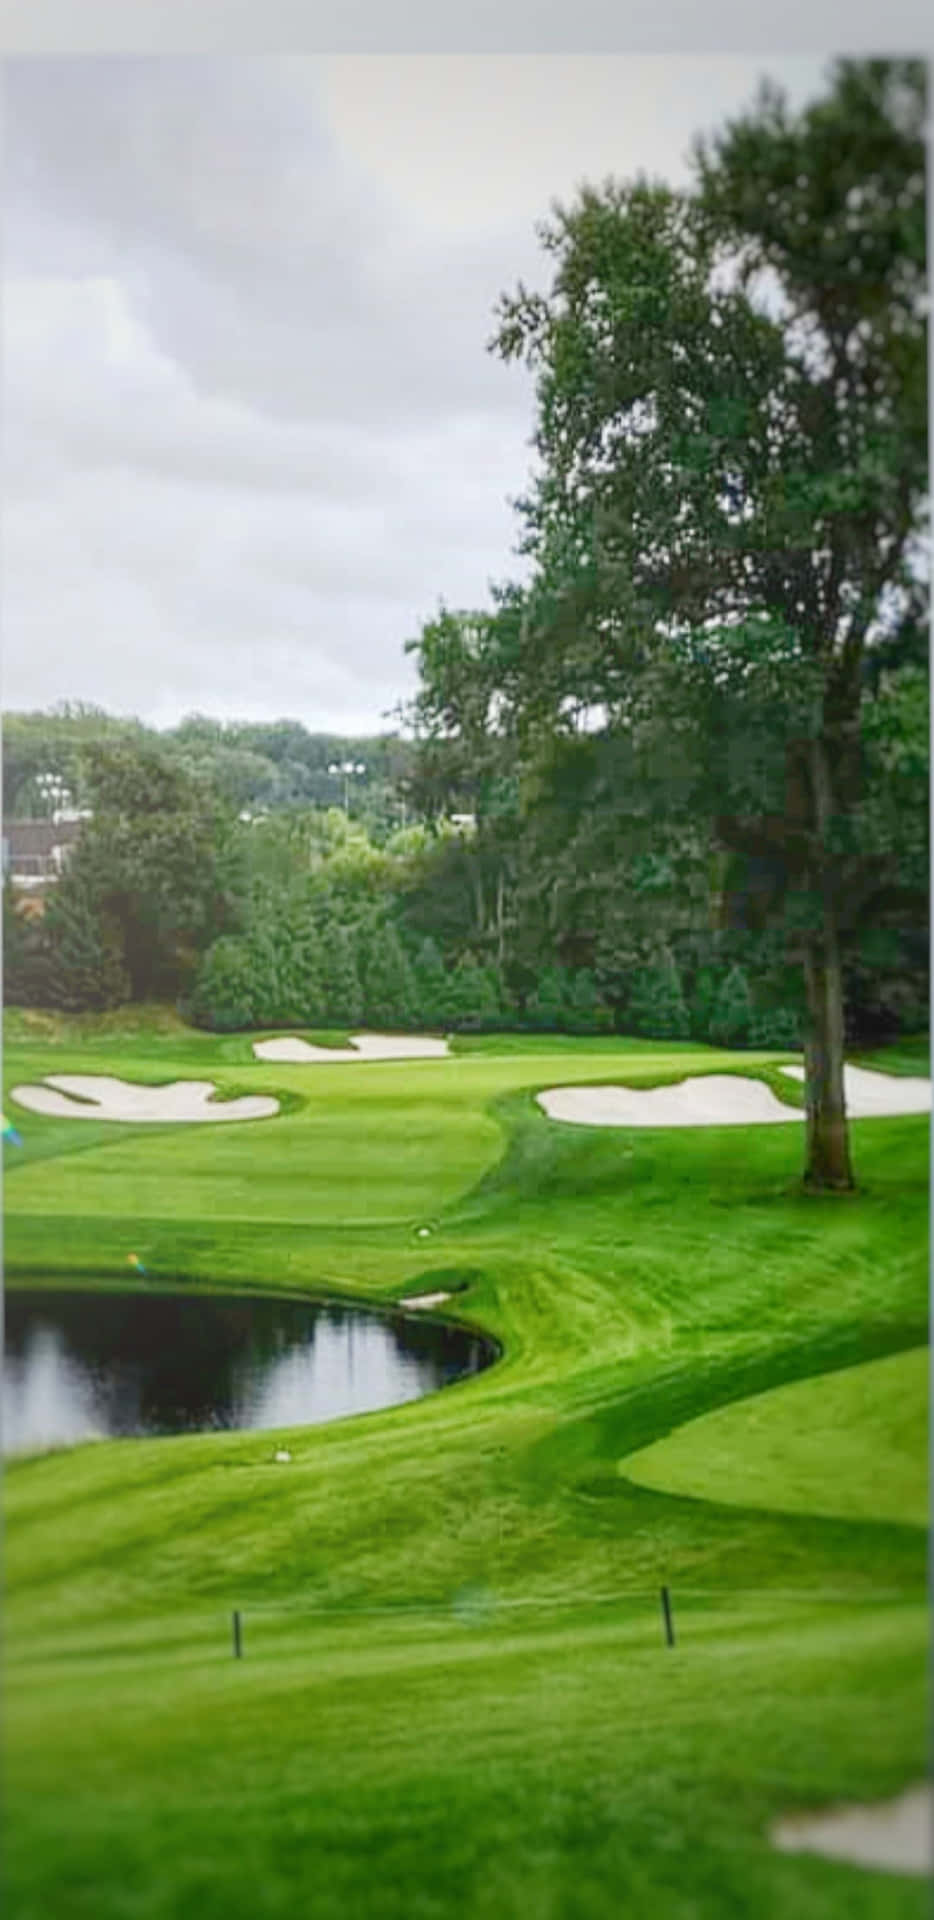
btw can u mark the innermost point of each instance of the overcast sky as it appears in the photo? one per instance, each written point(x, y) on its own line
point(252, 434)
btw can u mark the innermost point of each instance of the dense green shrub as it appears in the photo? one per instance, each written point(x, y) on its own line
point(474, 1000)
point(390, 995)
point(546, 1007)
point(656, 1007)
point(300, 979)
point(82, 967)
point(24, 954)
point(703, 999)
point(586, 1012)
point(431, 986)
point(732, 1014)
point(224, 996)
point(343, 994)
point(775, 1027)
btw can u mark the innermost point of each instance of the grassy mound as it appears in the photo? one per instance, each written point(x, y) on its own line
point(455, 1698)
point(852, 1443)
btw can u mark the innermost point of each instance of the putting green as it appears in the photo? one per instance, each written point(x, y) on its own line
point(852, 1443)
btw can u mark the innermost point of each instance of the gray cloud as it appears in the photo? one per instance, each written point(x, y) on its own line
point(251, 431)
point(259, 259)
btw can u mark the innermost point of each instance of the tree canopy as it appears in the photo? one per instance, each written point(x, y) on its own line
point(726, 516)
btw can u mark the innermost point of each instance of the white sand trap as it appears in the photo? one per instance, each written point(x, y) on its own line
point(101, 1098)
point(363, 1046)
point(894, 1835)
point(711, 1100)
point(869, 1093)
point(416, 1300)
point(725, 1100)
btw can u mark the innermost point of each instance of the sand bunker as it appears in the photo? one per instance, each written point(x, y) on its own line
point(725, 1100)
point(869, 1093)
point(416, 1300)
point(894, 1836)
point(363, 1046)
point(101, 1098)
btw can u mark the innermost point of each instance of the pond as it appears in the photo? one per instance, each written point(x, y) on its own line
point(89, 1364)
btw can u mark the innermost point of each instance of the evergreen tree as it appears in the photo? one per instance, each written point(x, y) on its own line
point(702, 1002)
point(504, 997)
point(156, 861)
point(389, 990)
point(732, 1015)
point(343, 995)
point(272, 950)
point(224, 994)
point(474, 1004)
point(84, 969)
point(546, 1008)
point(431, 985)
point(586, 1012)
point(269, 1008)
point(24, 954)
point(656, 1004)
point(775, 1027)
point(305, 984)
point(489, 1012)
point(287, 967)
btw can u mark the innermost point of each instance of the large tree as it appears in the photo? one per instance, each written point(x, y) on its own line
point(726, 514)
point(466, 761)
point(156, 865)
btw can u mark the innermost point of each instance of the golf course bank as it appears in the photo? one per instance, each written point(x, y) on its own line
point(456, 1694)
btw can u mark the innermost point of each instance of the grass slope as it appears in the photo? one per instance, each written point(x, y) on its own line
point(455, 1698)
point(852, 1443)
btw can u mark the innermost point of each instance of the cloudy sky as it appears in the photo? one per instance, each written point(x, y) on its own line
point(252, 434)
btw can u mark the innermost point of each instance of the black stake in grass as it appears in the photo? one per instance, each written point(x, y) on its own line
point(669, 1623)
point(237, 1637)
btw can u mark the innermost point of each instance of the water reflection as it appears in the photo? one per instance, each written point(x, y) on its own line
point(91, 1365)
point(45, 1397)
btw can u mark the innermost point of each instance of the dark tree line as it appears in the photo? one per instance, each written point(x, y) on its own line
point(561, 912)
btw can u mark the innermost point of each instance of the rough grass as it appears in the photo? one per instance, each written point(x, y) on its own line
point(455, 1698)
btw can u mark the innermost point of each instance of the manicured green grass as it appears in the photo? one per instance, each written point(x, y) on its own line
point(852, 1443)
point(456, 1699)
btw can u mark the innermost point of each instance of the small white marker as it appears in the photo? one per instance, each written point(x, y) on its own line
point(423, 1232)
point(282, 1454)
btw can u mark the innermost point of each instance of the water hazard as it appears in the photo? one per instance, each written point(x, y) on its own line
point(82, 1365)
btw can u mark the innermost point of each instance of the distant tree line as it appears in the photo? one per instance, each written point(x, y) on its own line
point(253, 766)
point(551, 913)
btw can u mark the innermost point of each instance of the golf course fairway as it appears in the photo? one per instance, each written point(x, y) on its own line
point(456, 1700)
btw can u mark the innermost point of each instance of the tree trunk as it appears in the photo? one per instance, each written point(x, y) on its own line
point(827, 1162)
